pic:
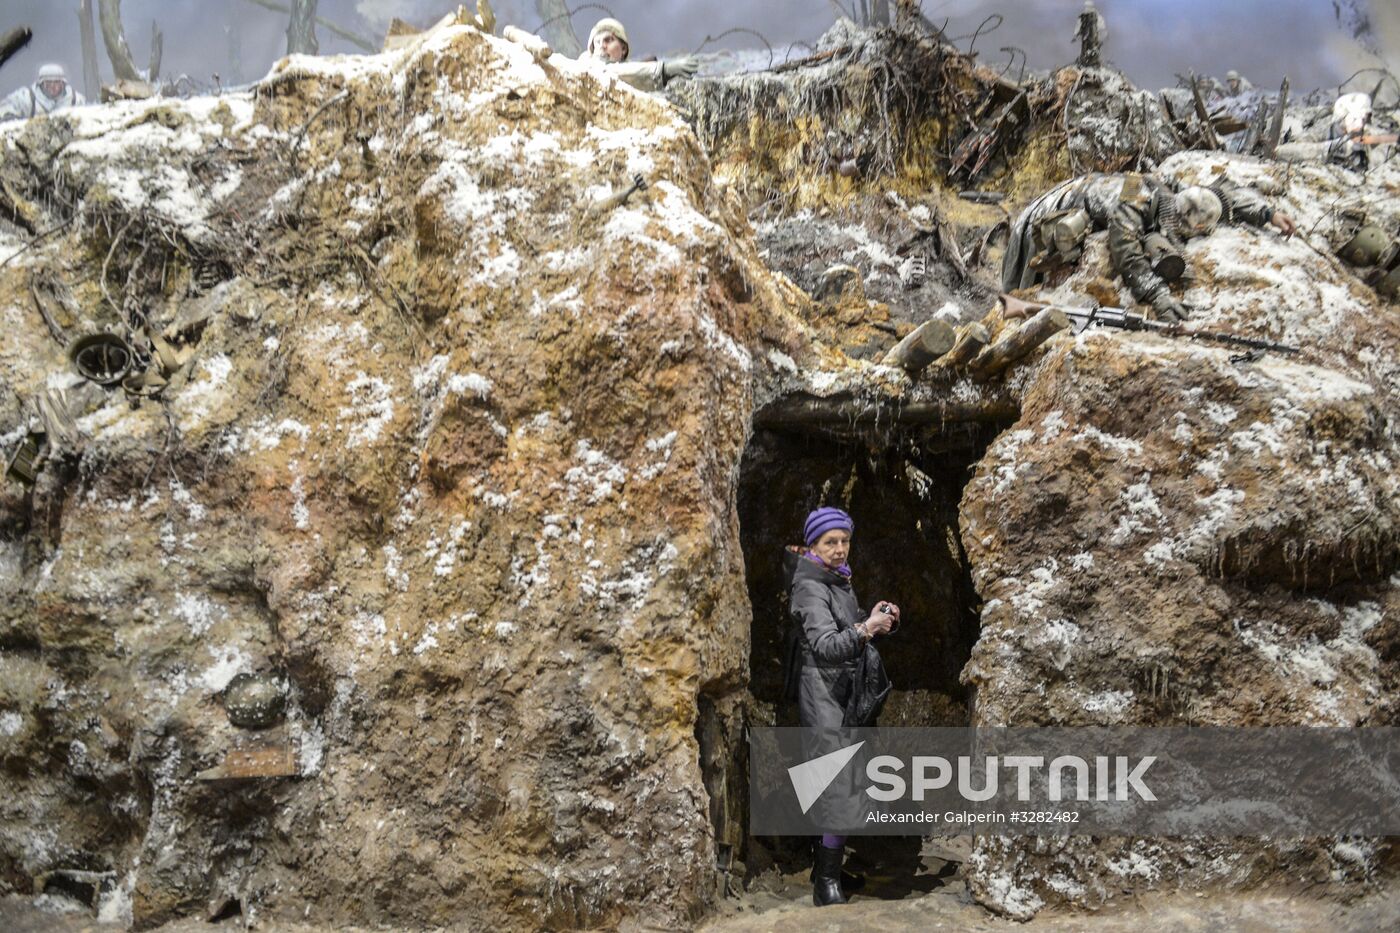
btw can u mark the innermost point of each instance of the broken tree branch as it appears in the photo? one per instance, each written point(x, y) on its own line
point(55, 331)
point(109, 15)
point(1046, 324)
point(347, 35)
point(14, 40)
point(1203, 115)
point(922, 346)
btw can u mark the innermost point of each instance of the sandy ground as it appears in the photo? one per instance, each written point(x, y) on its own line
point(932, 897)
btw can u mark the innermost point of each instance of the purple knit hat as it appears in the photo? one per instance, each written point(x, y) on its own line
point(822, 520)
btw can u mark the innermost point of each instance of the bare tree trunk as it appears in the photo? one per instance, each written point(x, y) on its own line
point(347, 35)
point(109, 14)
point(559, 28)
point(235, 55)
point(92, 77)
point(301, 28)
point(862, 12)
point(157, 47)
point(880, 12)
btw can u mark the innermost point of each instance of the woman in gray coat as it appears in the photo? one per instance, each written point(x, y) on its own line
point(834, 633)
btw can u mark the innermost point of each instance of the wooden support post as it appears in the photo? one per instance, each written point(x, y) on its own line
point(922, 346)
point(1026, 338)
point(157, 49)
point(1203, 115)
point(971, 338)
point(1275, 133)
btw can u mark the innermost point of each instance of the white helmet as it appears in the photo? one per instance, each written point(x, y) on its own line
point(52, 72)
point(607, 26)
point(1198, 210)
point(1352, 111)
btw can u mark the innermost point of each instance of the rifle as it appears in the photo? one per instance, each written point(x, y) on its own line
point(1081, 319)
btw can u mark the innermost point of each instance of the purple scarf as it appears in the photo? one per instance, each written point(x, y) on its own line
point(844, 570)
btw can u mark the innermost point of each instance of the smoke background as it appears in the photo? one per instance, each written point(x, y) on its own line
point(1312, 41)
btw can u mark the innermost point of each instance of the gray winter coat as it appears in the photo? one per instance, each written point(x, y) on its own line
point(825, 606)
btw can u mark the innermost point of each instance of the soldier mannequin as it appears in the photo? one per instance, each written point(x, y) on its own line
point(50, 92)
point(1092, 33)
point(1146, 221)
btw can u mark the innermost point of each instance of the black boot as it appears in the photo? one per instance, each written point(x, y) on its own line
point(850, 881)
point(826, 877)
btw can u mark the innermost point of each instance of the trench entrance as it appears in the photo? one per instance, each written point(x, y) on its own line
point(902, 483)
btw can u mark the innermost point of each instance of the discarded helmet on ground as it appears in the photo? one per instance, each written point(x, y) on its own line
point(102, 358)
point(255, 701)
point(1365, 246)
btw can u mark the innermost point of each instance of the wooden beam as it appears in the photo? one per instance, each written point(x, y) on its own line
point(922, 346)
point(1046, 324)
point(1203, 115)
point(971, 338)
point(804, 411)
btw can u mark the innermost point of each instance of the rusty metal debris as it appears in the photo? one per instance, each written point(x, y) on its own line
point(103, 358)
point(264, 761)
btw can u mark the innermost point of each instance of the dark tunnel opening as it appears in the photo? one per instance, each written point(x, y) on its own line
point(902, 484)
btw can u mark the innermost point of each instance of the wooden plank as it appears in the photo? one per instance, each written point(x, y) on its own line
point(253, 762)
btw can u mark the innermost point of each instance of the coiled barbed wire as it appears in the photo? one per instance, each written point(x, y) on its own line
point(729, 32)
point(979, 31)
point(569, 13)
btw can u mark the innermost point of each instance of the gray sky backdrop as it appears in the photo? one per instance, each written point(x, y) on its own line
point(1150, 40)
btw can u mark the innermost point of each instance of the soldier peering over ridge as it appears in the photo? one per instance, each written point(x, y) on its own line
point(50, 91)
point(608, 43)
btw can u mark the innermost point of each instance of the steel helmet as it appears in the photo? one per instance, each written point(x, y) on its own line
point(1365, 246)
point(1198, 210)
point(1352, 111)
point(609, 26)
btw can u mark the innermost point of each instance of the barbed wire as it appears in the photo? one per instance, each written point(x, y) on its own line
point(979, 31)
point(730, 32)
point(569, 13)
point(1011, 50)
